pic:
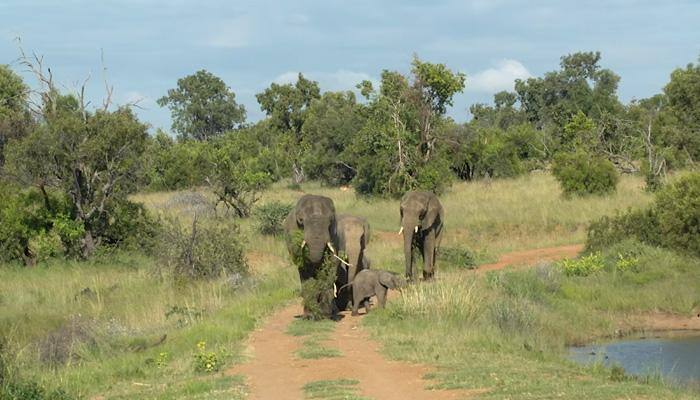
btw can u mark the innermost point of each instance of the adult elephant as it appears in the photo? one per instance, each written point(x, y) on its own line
point(315, 217)
point(422, 219)
point(353, 236)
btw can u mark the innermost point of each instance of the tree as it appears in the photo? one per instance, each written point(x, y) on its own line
point(330, 126)
point(203, 107)
point(287, 107)
point(401, 146)
point(15, 120)
point(580, 85)
point(683, 94)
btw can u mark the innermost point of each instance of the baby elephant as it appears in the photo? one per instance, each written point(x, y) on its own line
point(371, 282)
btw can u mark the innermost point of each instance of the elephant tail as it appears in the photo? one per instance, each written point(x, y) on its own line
point(344, 286)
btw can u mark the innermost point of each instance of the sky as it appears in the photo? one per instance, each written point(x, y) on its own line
point(147, 45)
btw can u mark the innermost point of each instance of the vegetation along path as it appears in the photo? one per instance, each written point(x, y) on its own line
point(275, 371)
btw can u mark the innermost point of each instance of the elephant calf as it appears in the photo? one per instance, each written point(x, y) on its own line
point(372, 282)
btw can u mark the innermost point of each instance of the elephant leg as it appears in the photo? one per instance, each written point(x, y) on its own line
point(367, 305)
point(429, 255)
point(381, 295)
point(356, 302)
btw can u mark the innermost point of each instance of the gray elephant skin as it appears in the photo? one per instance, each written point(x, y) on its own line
point(372, 282)
point(422, 219)
point(315, 216)
point(353, 237)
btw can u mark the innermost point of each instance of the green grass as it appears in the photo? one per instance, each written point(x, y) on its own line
point(340, 389)
point(315, 333)
point(503, 331)
point(507, 331)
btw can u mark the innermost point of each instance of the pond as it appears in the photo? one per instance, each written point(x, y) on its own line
point(675, 357)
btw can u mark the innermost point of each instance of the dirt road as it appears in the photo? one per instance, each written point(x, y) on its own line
point(274, 371)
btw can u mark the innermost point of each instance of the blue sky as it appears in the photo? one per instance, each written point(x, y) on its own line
point(148, 45)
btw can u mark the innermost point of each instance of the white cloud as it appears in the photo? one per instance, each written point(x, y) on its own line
point(233, 33)
point(502, 77)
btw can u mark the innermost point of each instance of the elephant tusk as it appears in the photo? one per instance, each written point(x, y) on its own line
point(303, 244)
point(330, 246)
point(415, 229)
point(401, 230)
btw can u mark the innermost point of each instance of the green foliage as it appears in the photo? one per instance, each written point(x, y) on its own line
point(317, 291)
point(270, 217)
point(202, 107)
point(92, 159)
point(400, 147)
point(582, 174)
point(677, 209)
point(330, 126)
point(174, 165)
point(206, 361)
point(15, 120)
point(582, 266)
point(672, 221)
point(460, 257)
point(207, 250)
point(239, 172)
point(490, 152)
point(683, 94)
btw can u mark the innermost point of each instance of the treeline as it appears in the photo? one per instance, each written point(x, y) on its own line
point(67, 170)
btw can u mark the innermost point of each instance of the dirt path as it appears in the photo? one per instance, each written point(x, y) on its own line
point(274, 372)
point(529, 257)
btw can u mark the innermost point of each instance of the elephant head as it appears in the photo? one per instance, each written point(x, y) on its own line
point(422, 216)
point(315, 216)
point(353, 236)
point(391, 280)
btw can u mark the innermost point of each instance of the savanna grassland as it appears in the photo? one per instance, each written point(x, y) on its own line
point(116, 327)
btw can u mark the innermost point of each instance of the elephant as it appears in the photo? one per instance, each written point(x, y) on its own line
point(371, 282)
point(353, 236)
point(422, 218)
point(315, 217)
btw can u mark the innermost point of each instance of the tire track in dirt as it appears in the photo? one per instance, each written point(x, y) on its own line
point(274, 372)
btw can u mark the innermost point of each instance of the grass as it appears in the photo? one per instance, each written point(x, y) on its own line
point(502, 331)
point(315, 333)
point(340, 389)
point(506, 332)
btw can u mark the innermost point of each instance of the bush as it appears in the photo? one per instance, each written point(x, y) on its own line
point(677, 208)
point(207, 250)
point(206, 361)
point(459, 257)
point(317, 293)
point(583, 266)
point(270, 217)
point(672, 221)
point(129, 226)
point(582, 174)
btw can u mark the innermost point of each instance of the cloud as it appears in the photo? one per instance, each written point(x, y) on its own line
point(502, 77)
point(233, 33)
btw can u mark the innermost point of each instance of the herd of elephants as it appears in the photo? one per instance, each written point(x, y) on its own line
point(323, 230)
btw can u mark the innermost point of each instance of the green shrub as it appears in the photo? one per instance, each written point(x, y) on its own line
point(582, 174)
point(672, 221)
point(677, 207)
point(206, 361)
point(317, 293)
point(129, 225)
point(583, 266)
point(45, 245)
point(459, 257)
point(270, 217)
point(207, 250)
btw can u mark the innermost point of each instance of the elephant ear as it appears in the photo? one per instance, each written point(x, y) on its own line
point(387, 279)
point(291, 223)
point(433, 213)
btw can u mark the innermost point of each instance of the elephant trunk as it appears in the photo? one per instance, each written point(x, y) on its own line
point(317, 247)
point(354, 253)
point(408, 230)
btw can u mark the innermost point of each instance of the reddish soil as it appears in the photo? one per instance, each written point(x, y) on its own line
point(529, 257)
point(274, 372)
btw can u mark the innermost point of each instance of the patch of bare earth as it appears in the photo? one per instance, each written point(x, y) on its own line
point(274, 372)
point(529, 257)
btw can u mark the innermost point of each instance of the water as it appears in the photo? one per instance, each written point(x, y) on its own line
point(677, 359)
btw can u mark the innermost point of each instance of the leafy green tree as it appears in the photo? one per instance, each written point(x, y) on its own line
point(581, 85)
point(329, 128)
point(203, 107)
point(287, 107)
point(683, 94)
point(90, 157)
point(15, 119)
point(172, 165)
point(401, 146)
